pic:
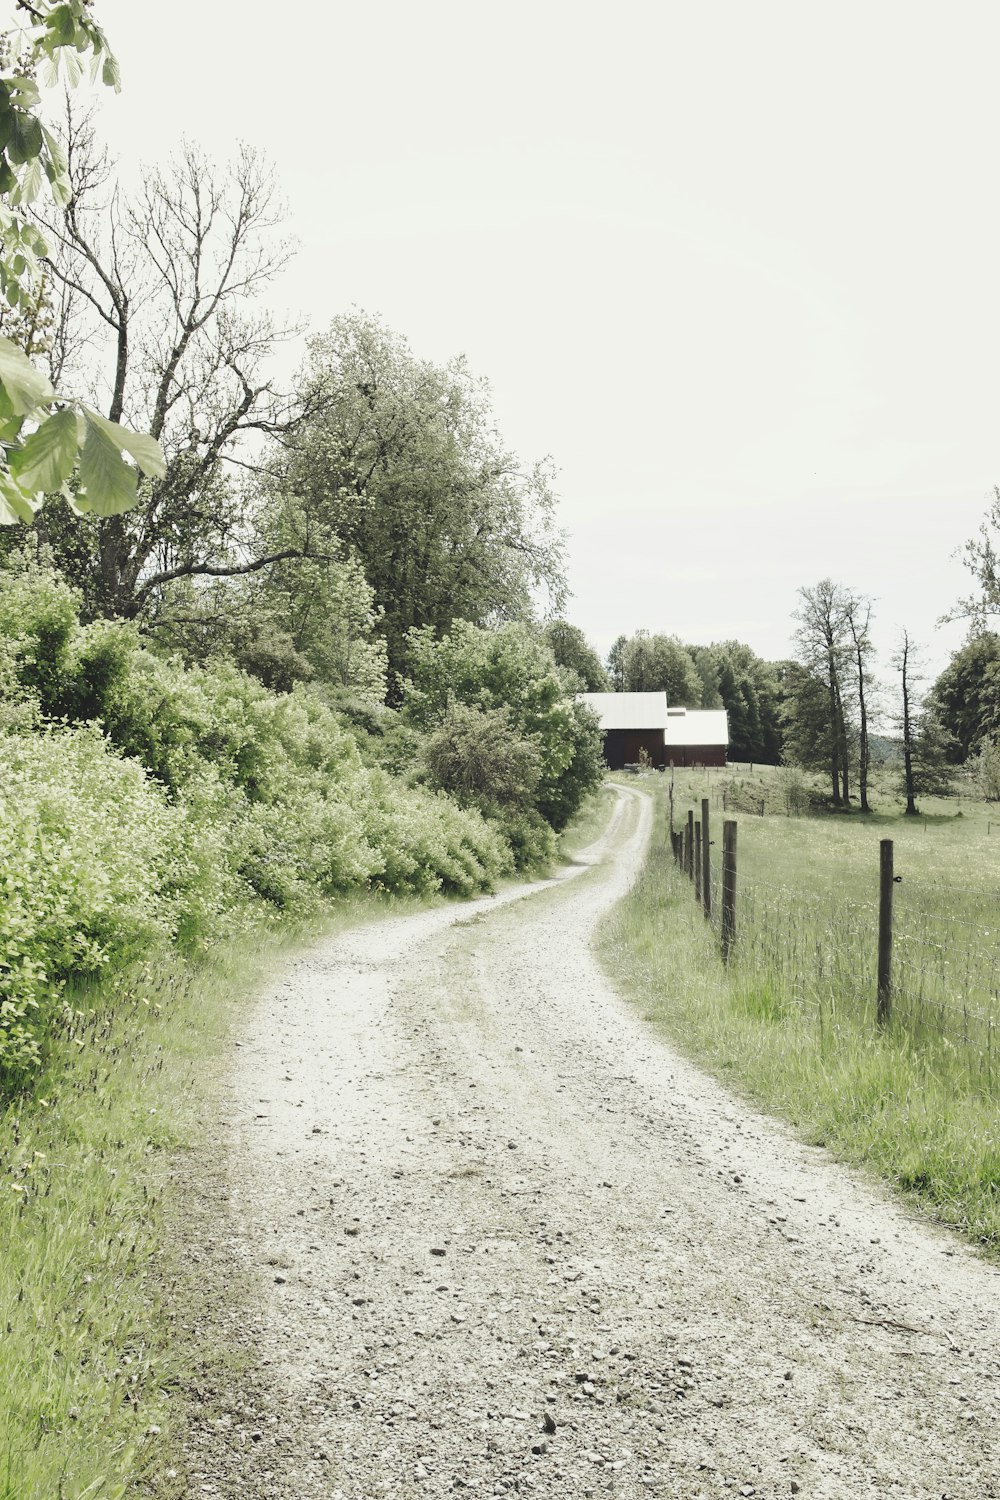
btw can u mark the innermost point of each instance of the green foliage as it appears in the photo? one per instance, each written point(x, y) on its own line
point(510, 668)
point(645, 663)
point(182, 804)
point(572, 650)
point(92, 871)
point(403, 464)
point(966, 696)
point(477, 756)
point(41, 445)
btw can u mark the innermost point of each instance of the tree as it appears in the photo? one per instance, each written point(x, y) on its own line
point(572, 650)
point(707, 665)
point(616, 664)
point(477, 756)
point(822, 644)
point(45, 435)
point(402, 462)
point(982, 558)
point(658, 664)
point(749, 692)
point(858, 615)
point(511, 669)
point(166, 284)
point(966, 696)
point(904, 661)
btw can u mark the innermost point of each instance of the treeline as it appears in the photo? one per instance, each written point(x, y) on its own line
point(726, 674)
point(827, 709)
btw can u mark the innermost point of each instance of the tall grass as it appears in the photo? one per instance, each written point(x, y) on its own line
point(792, 1019)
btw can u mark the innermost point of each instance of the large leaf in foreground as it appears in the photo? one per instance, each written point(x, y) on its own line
point(144, 449)
point(26, 387)
point(46, 460)
point(109, 483)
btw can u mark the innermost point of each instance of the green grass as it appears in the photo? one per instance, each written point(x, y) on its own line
point(93, 1370)
point(791, 1022)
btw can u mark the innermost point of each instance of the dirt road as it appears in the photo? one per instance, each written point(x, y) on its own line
point(476, 1198)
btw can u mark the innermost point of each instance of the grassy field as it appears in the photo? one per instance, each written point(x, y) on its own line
point(791, 1021)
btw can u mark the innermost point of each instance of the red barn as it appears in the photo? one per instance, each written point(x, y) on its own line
point(634, 723)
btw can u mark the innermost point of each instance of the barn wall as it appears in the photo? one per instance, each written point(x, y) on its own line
point(622, 746)
point(696, 755)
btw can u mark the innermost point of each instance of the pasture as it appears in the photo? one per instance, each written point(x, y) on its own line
point(791, 1019)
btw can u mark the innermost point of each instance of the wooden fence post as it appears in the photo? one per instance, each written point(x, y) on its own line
point(728, 887)
point(689, 865)
point(706, 862)
point(883, 1004)
point(671, 809)
point(697, 862)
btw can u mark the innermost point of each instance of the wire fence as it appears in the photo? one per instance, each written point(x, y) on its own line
point(923, 960)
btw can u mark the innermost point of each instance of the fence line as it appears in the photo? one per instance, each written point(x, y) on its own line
point(882, 958)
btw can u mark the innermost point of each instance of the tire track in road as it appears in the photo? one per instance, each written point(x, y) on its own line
point(477, 1196)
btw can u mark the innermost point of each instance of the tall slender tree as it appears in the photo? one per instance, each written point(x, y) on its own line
point(822, 648)
point(904, 662)
point(858, 615)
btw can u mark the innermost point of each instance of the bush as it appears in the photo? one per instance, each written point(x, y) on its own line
point(143, 800)
point(510, 670)
point(93, 869)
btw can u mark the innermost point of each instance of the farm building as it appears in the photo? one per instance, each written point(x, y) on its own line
point(634, 723)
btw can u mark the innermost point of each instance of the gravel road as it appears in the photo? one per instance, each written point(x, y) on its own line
point(499, 1238)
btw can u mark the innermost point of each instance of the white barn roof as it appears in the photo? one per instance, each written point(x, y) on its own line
point(681, 726)
point(697, 726)
point(628, 710)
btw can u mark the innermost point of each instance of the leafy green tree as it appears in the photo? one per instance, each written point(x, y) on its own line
point(805, 714)
point(403, 463)
point(660, 664)
point(966, 696)
point(981, 556)
point(707, 665)
point(616, 664)
point(823, 650)
point(748, 689)
point(45, 434)
point(511, 669)
point(477, 756)
point(572, 650)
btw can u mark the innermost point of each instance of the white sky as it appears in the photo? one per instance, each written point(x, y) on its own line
point(734, 265)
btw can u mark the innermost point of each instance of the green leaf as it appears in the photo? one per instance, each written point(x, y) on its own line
point(26, 387)
point(30, 184)
point(46, 460)
point(62, 24)
point(15, 505)
point(109, 482)
point(111, 74)
point(25, 137)
point(144, 449)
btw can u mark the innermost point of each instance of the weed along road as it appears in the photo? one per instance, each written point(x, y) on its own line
point(493, 1236)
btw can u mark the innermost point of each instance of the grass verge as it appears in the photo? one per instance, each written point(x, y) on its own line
point(904, 1105)
point(94, 1364)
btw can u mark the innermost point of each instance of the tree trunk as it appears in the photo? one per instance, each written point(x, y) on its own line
point(834, 730)
point(911, 806)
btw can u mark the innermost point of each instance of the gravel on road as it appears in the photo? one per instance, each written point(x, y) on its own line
point(480, 1231)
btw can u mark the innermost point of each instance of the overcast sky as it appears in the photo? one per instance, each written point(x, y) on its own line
point(734, 266)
